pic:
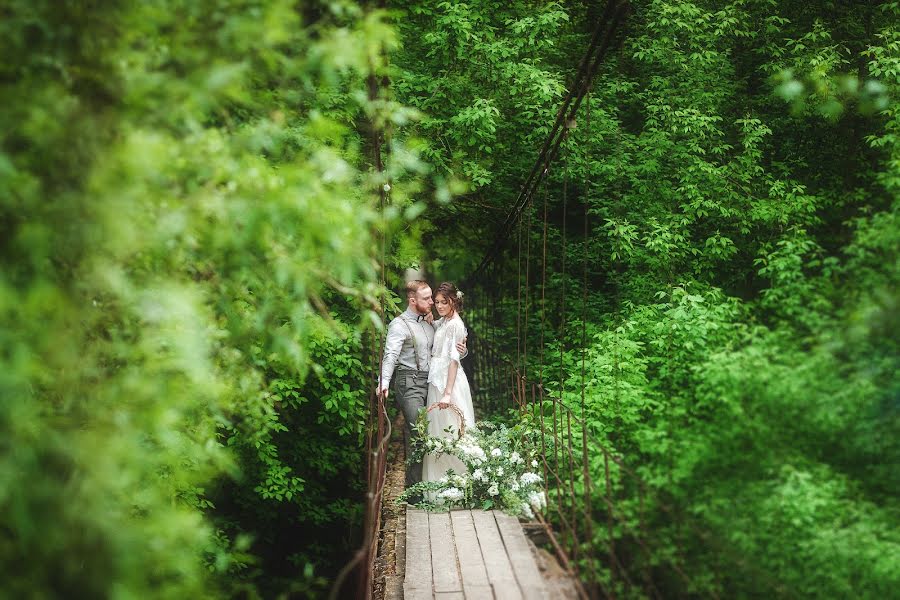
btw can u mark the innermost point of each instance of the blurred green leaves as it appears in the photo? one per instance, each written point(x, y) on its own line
point(189, 225)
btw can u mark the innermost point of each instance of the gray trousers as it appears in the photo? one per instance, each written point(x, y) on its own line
point(411, 389)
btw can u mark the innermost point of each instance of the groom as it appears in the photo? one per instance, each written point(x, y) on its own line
point(408, 348)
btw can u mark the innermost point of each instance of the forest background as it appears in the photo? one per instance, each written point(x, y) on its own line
point(190, 249)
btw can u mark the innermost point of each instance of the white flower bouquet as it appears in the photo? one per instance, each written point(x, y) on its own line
point(500, 471)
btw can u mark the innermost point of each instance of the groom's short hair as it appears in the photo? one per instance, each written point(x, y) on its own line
point(414, 286)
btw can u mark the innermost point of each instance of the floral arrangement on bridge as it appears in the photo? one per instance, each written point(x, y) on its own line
point(501, 472)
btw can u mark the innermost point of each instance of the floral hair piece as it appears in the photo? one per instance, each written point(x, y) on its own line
point(459, 294)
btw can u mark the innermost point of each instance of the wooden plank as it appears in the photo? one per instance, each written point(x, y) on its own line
point(444, 570)
point(521, 556)
point(416, 593)
point(478, 592)
point(417, 573)
point(496, 561)
point(508, 590)
point(393, 587)
point(471, 564)
point(449, 596)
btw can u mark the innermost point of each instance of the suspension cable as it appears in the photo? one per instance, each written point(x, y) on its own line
point(601, 40)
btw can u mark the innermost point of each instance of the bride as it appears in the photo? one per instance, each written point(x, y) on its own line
point(447, 383)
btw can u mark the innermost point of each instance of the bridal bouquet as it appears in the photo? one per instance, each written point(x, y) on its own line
point(501, 473)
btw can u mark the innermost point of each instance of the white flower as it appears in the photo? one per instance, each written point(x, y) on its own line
point(534, 464)
point(452, 494)
point(493, 490)
point(471, 451)
point(459, 294)
point(514, 486)
point(496, 452)
point(526, 510)
point(529, 478)
point(514, 458)
point(500, 471)
point(478, 475)
point(536, 500)
point(387, 187)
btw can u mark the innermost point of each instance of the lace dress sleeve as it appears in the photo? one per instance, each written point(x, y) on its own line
point(455, 335)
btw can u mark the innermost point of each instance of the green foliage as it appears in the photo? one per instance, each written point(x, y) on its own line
point(190, 239)
point(185, 203)
point(300, 458)
point(454, 59)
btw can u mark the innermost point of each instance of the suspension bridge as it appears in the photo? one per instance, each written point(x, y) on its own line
point(613, 534)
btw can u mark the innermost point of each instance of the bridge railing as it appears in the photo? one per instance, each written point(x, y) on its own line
point(596, 505)
point(356, 578)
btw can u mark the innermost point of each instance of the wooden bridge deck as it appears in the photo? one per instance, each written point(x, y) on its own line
point(468, 554)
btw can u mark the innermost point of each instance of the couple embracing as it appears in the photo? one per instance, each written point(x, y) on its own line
point(426, 354)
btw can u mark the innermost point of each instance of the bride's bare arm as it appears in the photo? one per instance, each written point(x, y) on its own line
point(451, 379)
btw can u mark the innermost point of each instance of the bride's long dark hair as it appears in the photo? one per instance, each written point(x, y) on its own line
point(454, 296)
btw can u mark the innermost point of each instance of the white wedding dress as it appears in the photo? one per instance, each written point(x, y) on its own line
point(444, 352)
